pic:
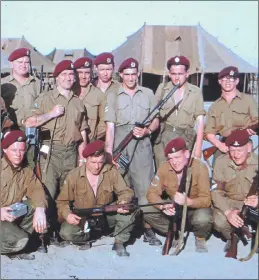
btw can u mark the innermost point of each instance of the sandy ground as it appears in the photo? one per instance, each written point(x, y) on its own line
point(145, 262)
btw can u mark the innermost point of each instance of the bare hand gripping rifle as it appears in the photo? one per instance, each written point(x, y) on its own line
point(243, 232)
point(118, 157)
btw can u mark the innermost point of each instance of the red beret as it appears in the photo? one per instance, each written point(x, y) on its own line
point(93, 147)
point(174, 146)
point(18, 54)
point(228, 71)
point(178, 60)
point(61, 66)
point(83, 62)
point(104, 58)
point(12, 137)
point(237, 138)
point(128, 63)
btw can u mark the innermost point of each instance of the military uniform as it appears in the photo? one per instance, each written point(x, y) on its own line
point(124, 111)
point(113, 87)
point(231, 189)
point(199, 217)
point(17, 184)
point(77, 187)
point(178, 122)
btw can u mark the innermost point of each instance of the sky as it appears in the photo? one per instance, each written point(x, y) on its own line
point(102, 26)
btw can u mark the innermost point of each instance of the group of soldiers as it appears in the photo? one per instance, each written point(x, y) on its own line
point(81, 121)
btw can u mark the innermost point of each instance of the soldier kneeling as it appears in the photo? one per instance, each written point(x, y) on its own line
point(17, 182)
point(91, 185)
point(166, 183)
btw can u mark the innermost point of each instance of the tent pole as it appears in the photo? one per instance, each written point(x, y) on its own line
point(244, 87)
point(141, 78)
point(202, 78)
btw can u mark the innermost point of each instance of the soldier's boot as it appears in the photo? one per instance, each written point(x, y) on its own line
point(227, 246)
point(22, 256)
point(83, 245)
point(119, 248)
point(150, 237)
point(201, 246)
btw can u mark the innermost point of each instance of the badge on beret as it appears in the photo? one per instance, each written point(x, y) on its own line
point(72, 65)
point(235, 143)
point(133, 64)
point(86, 63)
point(177, 59)
point(231, 73)
point(108, 60)
point(20, 139)
point(28, 52)
point(173, 150)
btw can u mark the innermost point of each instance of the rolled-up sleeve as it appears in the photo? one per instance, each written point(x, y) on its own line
point(110, 108)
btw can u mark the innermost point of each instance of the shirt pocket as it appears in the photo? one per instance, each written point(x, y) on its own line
point(80, 197)
point(106, 194)
point(239, 116)
point(123, 113)
point(142, 111)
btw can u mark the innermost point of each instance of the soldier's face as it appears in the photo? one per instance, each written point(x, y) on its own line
point(228, 84)
point(178, 74)
point(129, 77)
point(95, 164)
point(15, 153)
point(21, 66)
point(240, 154)
point(66, 79)
point(178, 160)
point(104, 72)
point(84, 76)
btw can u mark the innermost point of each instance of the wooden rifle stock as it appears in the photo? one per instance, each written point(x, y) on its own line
point(243, 232)
point(208, 152)
point(123, 144)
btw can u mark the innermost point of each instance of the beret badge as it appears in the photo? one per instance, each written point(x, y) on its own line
point(177, 59)
point(231, 73)
point(173, 150)
point(133, 64)
point(86, 63)
point(20, 139)
point(72, 65)
point(108, 60)
point(235, 143)
point(28, 52)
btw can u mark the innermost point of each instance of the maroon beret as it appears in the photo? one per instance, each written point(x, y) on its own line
point(231, 71)
point(61, 66)
point(174, 146)
point(83, 62)
point(178, 60)
point(128, 63)
point(12, 137)
point(104, 58)
point(18, 54)
point(92, 148)
point(237, 138)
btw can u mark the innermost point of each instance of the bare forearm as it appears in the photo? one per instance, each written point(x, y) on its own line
point(36, 121)
point(213, 139)
point(199, 138)
point(110, 130)
point(154, 124)
point(82, 145)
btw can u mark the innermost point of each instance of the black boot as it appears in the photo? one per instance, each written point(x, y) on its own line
point(120, 249)
point(150, 237)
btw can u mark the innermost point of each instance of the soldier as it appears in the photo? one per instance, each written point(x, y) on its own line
point(104, 63)
point(180, 112)
point(132, 103)
point(167, 179)
point(233, 110)
point(92, 97)
point(233, 174)
point(19, 91)
point(62, 117)
point(19, 184)
point(93, 185)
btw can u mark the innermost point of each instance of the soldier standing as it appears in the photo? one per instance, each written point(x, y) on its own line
point(132, 103)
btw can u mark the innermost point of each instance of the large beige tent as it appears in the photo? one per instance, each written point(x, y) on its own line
point(153, 45)
point(10, 44)
point(58, 55)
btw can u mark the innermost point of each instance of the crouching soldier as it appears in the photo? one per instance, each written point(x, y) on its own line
point(166, 184)
point(233, 174)
point(92, 185)
point(18, 182)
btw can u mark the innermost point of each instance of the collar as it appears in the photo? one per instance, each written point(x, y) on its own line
point(238, 95)
point(82, 170)
point(121, 89)
point(56, 94)
point(28, 81)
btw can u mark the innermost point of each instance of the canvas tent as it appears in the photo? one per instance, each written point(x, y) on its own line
point(58, 55)
point(5, 64)
point(38, 59)
point(153, 45)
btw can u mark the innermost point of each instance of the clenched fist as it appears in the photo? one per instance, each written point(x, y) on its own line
point(57, 111)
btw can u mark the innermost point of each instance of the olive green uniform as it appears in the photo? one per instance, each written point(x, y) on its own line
point(18, 184)
point(77, 187)
point(199, 216)
point(232, 186)
point(113, 87)
point(178, 121)
point(124, 111)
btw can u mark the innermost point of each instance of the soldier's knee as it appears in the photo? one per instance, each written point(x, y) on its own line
point(202, 217)
point(220, 222)
point(14, 246)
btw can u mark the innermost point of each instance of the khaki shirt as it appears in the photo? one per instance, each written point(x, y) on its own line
point(166, 180)
point(232, 183)
point(189, 109)
point(113, 87)
point(68, 126)
point(122, 109)
point(94, 101)
point(19, 182)
point(19, 98)
point(77, 187)
point(223, 118)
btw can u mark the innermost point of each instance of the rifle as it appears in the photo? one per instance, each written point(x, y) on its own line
point(118, 157)
point(208, 152)
point(41, 79)
point(243, 232)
